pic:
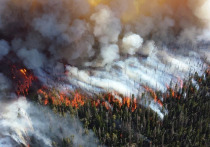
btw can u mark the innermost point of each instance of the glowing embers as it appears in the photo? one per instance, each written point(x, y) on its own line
point(23, 79)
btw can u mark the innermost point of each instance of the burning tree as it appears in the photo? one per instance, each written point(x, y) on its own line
point(23, 79)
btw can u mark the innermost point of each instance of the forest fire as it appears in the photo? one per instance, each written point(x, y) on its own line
point(75, 99)
point(25, 79)
point(115, 98)
point(90, 59)
point(59, 98)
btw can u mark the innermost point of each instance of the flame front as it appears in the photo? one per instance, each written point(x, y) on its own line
point(75, 99)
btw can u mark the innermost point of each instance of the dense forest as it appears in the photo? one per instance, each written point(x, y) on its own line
point(186, 119)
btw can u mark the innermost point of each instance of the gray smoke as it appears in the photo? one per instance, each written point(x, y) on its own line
point(4, 48)
point(81, 35)
point(5, 87)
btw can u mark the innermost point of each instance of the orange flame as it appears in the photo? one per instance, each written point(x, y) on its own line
point(23, 71)
point(160, 103)
point(106, 105)
point(61, 98)
point(23, 79)
point(153, 94)
point(173, 93)
point(127, 101)
point(134, 106)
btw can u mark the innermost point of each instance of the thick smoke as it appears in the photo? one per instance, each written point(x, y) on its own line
point(107, 27)
point(79, 31)
point(104, 45)
point(31, 58)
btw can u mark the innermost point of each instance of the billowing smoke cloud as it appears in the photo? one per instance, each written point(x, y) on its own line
point(112, 50)
point(201, 10)
point(107, 27)
point(80, 31)
point(131, 43)
point(31, 58)
point(105, 45)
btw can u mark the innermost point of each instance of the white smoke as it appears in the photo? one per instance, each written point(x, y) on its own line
point(23, 122)
point(201, 10)
point(148, 48)
point(107, 27)
point(131, 43)
point(112, 50)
